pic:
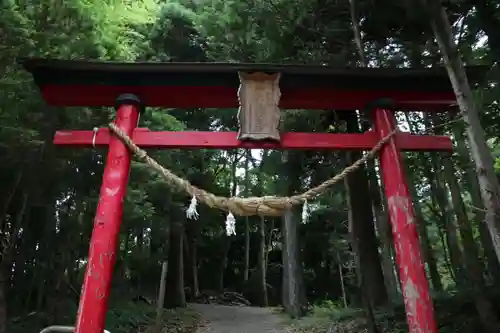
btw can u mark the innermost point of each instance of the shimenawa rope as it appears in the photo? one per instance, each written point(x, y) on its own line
point(263, 206)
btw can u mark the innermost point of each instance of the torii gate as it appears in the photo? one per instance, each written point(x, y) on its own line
point(132, 86)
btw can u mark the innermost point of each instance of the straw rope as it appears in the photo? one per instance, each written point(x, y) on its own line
point(263, 206)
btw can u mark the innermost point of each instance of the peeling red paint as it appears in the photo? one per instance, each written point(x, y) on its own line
point(97, 281)
point(419, 309)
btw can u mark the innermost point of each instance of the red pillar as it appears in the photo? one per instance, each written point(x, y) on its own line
point(414, 284)
point(101, 258)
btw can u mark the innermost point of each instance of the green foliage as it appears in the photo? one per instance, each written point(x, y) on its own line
point(123, 317)
point(142, 318)
point(334, 311)
point(327, 317)
point(62, 185)
point(454, 314)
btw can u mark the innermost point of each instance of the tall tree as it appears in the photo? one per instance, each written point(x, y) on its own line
point(490, 189)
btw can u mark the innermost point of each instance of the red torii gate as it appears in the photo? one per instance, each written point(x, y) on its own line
point(132, 86)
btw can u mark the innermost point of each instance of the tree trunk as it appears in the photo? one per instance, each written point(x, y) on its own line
point(269, 241)
point(450, 229)
point(262, 259)
point(357, 32)
point(425, 245)
point(246, 267)
point(43, 256)
point(175, 297)
point(384, 233)
point(7, 201)
point(473, 267)
point(261, 269)
point(188, 276)
point(381, 219)
point(226, 245)
point(367, 302)
point(477, 204)
point(446, 250)
point(194, 267)
point(6, 261)
point(227, 240)
point(362, 226)
point(481, 153)
point(3, 304)
point(293, 292)
point(161, 292)
point(342, 282)
point(293, 301)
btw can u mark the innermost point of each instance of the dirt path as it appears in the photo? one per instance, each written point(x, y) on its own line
point(238, 319)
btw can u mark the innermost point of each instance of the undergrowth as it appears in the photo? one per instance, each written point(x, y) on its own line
point(455, 314)
point(125, 317)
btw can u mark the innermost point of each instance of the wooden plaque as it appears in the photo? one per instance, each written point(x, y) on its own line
point(259, 115)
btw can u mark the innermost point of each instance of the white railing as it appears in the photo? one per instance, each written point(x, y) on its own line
point(61, 329)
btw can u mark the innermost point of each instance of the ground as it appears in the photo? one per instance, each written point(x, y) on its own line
point(238, 319)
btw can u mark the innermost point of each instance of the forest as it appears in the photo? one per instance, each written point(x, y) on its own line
point(337, 272)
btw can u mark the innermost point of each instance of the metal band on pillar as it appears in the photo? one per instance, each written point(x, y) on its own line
point(129, 99)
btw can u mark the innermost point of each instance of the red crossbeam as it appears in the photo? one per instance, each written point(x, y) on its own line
point(145, 138)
